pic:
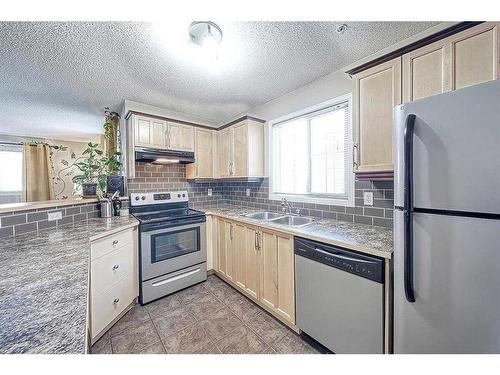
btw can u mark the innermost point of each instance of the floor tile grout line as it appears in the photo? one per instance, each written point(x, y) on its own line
point(262, 311)
point(156, 329)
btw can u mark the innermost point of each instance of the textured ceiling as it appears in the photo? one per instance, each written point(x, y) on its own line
point(56, 77)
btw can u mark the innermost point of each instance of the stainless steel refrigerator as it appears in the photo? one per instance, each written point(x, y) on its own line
point(447, 223)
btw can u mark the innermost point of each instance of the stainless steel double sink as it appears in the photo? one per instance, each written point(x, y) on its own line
point(278, 218)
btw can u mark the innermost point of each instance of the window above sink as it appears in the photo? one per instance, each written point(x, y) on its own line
point(310, 154)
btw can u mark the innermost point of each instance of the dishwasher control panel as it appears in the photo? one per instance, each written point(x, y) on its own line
point(366, 266)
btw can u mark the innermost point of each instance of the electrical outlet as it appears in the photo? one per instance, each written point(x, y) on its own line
point(51, 216)
point(368, 198)
point(248, 192)
point(209, 191)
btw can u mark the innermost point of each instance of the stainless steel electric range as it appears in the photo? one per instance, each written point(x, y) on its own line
point(172, 244)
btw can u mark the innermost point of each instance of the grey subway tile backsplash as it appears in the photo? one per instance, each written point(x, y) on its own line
point(44, 224)
point(6, 232)
point(25, 228)
point(37, 216)
point(13, 220)
point(15, 223)
point(382, 222)
point(72, 211)
point(153, 178)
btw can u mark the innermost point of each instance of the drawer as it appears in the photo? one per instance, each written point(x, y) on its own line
point(108, 269)
point(106, 245)
point(107, 306)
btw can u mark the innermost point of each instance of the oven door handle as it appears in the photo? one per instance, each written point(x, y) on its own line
point(174, 224)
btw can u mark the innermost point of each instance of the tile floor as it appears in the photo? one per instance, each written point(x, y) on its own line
point(210, 317)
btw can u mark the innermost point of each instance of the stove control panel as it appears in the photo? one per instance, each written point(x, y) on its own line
point(142, 199)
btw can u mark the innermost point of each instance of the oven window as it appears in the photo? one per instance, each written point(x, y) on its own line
point(173, 244)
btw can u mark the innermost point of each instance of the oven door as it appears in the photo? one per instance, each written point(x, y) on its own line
point(168, 248)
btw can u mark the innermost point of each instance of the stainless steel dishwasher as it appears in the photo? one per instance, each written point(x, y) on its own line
point(339, 297)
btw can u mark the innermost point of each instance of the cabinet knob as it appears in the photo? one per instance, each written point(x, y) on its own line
point(115, 242)
point(115, 267)
point(116, 301)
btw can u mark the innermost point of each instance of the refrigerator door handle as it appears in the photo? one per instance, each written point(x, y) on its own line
point(408, 208)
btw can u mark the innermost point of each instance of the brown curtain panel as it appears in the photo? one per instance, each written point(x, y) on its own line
point(38, 173)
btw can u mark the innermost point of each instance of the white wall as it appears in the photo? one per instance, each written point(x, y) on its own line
point(323, 89)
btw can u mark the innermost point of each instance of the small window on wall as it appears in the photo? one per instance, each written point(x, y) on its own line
point(311, 154)
point(11, 173)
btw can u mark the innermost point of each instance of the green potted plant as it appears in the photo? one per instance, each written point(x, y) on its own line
point(92, 171)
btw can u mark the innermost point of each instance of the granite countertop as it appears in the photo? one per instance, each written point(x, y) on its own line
point(359, 237)
point(43, 286)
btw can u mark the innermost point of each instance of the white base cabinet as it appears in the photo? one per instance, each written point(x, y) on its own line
point(114, 281)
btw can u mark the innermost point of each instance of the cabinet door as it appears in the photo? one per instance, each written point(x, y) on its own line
point(269, 270)
point(376, 91)
point(286, 278)
point(204, 153)
point(240, 159)
point(239, 254)
point(427, 71)
point(225, 152)
point(158, 133)
point(476, 55)
point(221, 246)
point(229, 237)
point(187, 138)
point(142, 129)
point(277, 274)
point(252, 261)
point(180, 137)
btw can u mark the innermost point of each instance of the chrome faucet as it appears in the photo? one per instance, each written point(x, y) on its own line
point(284, 203)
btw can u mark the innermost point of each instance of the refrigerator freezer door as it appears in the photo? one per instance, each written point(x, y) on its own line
point(456, 282)
point(456, 150)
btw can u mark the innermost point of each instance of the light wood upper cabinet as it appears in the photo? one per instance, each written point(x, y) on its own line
point(180, 137)
point(376, 92)
point(427, 71)
point(225, 152)
point(475, 55)
point(155, 133)
point(205, 153)
point(240, 156)
point(241, 150)
point(150, 132)
point(463, 59)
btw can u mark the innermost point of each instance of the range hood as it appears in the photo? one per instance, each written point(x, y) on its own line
point(159, 156)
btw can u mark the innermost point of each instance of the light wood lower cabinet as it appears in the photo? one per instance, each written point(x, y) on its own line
point(114, 279)
point(277, 274)
point(261, 264)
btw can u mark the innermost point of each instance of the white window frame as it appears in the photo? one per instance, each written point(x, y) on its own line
point(306, 198)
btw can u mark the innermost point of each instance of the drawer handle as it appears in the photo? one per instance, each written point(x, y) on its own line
point(116, 301)
point(115, 242)
point(115, 267)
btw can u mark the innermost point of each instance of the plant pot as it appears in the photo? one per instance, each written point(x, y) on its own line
point(89, 190)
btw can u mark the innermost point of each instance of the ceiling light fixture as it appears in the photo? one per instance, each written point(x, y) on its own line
point(205, 33)
point(341, 28)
